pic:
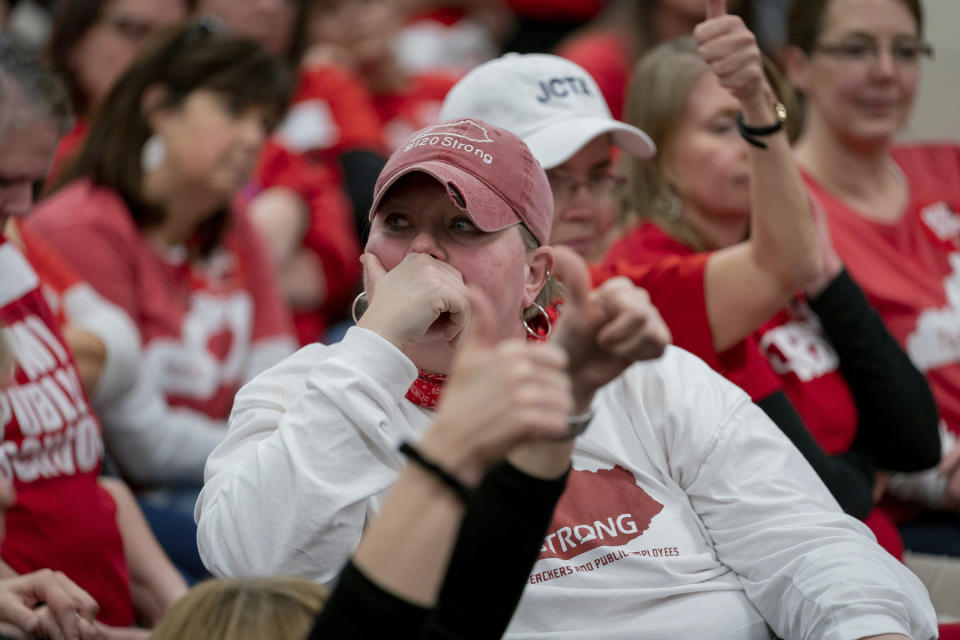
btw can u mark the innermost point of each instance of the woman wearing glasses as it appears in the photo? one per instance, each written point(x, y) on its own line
point(93, 41)
point(892, 210)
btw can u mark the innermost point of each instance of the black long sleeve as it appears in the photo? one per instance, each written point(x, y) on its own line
point(503, 527)
point(360, 609)
point(499, 542)
point(897, 426)
point(849, 478)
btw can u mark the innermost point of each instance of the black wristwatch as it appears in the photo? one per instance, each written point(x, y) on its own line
point(749, 133)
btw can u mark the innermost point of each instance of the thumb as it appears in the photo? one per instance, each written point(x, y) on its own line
point(479, 332)
point(571, 270)
point(373, 271)
point(716, 8)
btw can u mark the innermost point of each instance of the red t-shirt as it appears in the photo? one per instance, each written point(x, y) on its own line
point(206, 326)
point(673, 275)
point(605, 55)
point(52, 450)
point(910, 271)
point(794, 344)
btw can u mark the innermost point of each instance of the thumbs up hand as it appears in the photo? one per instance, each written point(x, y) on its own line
point(603, 330)
point(730, 49)
point(498, 395)
point(716, 8)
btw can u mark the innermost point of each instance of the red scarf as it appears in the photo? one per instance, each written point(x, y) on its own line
point(427, 388)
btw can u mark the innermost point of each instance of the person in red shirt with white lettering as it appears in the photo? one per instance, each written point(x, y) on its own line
point(62, 519)
point(822, 364)
point(892, 209)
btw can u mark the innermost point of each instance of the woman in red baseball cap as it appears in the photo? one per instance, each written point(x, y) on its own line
point(680, 494)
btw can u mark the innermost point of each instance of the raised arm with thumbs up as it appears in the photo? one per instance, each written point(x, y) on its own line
point(747, 282)
point(730, 48)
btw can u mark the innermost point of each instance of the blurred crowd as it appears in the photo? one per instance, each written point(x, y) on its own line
point(243, 243)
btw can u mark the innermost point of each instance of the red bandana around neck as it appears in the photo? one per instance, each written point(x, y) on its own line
point(428, 387)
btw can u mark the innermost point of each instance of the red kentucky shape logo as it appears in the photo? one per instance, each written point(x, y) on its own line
point(605, 508)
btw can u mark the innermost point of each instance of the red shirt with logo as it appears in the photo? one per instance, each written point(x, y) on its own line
point(206, 325)
point(796, 348)
point(910, 270)
point(52, 450)
point(673, 275)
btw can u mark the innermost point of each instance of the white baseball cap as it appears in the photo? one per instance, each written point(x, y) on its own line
point(549, 101)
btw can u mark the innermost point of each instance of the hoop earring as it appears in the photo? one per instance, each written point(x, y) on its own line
point(542, 319)
point(153, 153)
point(359, 306)
point(670, 206)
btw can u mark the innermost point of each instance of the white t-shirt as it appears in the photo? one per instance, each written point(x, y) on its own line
point(688, 514)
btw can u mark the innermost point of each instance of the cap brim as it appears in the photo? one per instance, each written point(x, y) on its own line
point(485, 207)
point(555, 143)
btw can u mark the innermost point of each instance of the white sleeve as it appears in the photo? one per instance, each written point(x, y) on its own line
point(154, 443)
point(811, 570)
point(88, 310)
point(151, 442)
point(310, 444)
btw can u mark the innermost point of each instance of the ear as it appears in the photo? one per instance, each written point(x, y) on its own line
point(796, 63)
point(539, 265)
point(153, 105)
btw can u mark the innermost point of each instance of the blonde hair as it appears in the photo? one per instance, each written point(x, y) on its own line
point(240, 609)
point(657, 101)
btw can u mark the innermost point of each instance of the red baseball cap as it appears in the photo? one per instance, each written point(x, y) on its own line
point(489, 173)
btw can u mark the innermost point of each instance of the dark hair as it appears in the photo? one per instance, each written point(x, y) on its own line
point(72, 21)
point(23, 73)
point(805, 20)
point(181, 59)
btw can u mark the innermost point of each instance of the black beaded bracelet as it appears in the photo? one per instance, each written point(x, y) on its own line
point(445, 476)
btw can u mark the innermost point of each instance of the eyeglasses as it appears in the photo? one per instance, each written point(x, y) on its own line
point(565, 187)
point(904, 53)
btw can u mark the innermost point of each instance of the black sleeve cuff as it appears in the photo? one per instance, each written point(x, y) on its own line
point(360, 609)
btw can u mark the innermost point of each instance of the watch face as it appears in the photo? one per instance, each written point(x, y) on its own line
point(781, 111)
